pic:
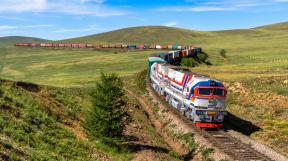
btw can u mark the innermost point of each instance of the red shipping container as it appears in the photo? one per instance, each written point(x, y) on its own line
point(142, 46)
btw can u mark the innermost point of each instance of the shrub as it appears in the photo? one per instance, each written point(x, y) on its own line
point(202, 57)
point(188, 62)
point(140, 81)
point(108, 117)
point(223, 52)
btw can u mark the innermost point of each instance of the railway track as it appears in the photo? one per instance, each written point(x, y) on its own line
point(220, 138)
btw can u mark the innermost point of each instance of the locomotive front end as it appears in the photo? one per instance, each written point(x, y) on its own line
point(208, 101)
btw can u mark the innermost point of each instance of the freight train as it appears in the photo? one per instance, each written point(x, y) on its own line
point(98, 46)
point(196, 96)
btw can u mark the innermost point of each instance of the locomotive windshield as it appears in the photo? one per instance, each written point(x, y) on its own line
point(204, 91)
point(211, 91)
point(218, 92)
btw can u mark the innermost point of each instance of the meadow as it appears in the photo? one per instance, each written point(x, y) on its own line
point(255, 69)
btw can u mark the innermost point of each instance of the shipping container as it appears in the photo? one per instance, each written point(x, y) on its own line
point(141, 46)
point(118, 45)
point(75, 45)
point(132, 46)
point(96, 46)
point(152, 47)
point(89, 45)
point(146, 46)
point(164, 46)
point(33, 45)
point(61, 45)
point(124, 45)
point(111, 46)
point(170, 46)
point(174, 47)
point(158, 47)
point(179, 47)
point(55, 45)
point(104, 46)
point(68, 45)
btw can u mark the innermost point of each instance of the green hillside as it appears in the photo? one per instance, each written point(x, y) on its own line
point(277, 26)
point(255, 70)
point(145, 34)
point(11, 40)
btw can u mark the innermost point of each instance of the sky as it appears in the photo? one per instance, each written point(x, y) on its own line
point(61, 19)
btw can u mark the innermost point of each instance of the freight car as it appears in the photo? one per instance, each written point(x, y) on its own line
point(197, 97)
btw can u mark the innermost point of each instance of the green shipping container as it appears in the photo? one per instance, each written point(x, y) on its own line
point(174, 47)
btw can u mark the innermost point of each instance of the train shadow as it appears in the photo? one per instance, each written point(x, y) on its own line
point(235, 123)
point(134, 145)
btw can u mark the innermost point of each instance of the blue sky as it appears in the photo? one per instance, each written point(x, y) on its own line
point(59, 19)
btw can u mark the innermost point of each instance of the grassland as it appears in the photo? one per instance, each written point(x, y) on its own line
point(8, 40)
point(257, 59)
point(69, 67)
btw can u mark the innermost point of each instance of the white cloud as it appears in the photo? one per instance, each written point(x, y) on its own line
point(7, 27)
point(38, 26)
point(220, 5)
point(171, 24)
point(78, 7)
point(23, 5)
point(192, 9)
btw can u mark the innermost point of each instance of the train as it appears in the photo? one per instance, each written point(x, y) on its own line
point(198, 97)
point(98, 46)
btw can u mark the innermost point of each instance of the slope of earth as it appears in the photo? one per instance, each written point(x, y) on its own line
point(46, 123)
point(11, 40)
point(43, 123)
point(145, 34)
point(71, 67)
point(251, 52)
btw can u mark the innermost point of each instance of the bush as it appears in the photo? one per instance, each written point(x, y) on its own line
point(202, 57)
point(107, 118)
point(188, 62)
point(223, 52)
point(140, 81)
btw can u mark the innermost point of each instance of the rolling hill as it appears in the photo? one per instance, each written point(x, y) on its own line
point(168, 35)
point(11, 40)
point(277, 26)
point(254, 70)
point(143, 34)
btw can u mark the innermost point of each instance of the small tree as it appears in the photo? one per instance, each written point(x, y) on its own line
point(223, 53)
point(107, 118)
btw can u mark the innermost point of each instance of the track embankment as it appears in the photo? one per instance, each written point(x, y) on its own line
point(227, 144)
point(169, 125)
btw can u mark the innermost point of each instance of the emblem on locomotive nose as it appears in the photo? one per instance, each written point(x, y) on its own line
point(212, 101)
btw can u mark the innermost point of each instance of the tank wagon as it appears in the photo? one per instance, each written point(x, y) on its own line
point(197, 97)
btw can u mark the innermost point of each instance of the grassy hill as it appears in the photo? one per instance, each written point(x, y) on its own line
point(255, 50)
point(11, 40)
point(144, 34)
point(277, 26)
point(255, 68)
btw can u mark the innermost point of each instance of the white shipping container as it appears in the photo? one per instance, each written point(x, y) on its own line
point(158, 46)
